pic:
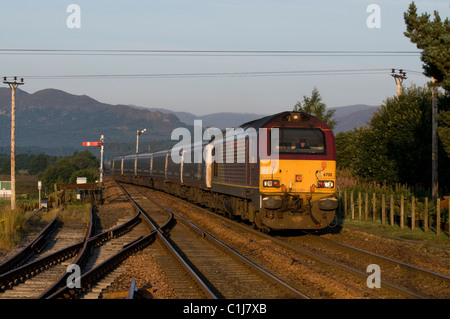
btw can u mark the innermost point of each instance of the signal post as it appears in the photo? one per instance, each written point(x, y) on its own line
point(101, 144)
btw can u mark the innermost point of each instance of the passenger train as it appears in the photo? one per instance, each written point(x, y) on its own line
point(277, 172)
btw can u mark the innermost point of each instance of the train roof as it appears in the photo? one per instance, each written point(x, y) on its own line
point(301, 119)
point(288, 116)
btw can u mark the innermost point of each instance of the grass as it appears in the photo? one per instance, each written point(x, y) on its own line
point(347, 182)
point(395, 231)
point(76, 213)
point(14, 228)
point(25, 184)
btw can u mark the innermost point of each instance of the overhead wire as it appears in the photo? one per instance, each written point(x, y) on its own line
point(143, 52)
point(209, 74)
point(203, 53)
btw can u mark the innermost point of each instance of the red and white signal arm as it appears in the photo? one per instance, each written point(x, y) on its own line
point(92, 143)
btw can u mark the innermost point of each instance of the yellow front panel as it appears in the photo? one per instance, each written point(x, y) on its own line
point(311, 172)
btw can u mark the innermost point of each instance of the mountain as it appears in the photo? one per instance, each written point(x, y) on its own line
point(222, 120)
point(52, 118)
point(349, 117)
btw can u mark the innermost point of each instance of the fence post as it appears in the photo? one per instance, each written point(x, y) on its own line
point(383, 209)
point(402, 212)
point(352, 205)
point(366, 207)
point(345, 204)
point(425, 221)
point(374, 205)
point(360, 205)
point(438, 217)
point(413, 213)
point(391, 210)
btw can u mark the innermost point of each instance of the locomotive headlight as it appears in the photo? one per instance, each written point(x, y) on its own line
point(271, 183)
point(325, 184)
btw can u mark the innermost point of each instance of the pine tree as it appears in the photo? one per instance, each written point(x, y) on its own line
point(433, 37)
point(315, 106)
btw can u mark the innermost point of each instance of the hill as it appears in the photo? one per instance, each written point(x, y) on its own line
point(53, 119)
point(220, 120)
point(56, 122)
point(347, 117)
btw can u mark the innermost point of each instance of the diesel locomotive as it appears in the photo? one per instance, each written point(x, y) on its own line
point(277, 172)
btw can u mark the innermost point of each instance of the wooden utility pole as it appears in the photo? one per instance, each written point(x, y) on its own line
point(13, 85)
point(399, 80)
point(434, 145)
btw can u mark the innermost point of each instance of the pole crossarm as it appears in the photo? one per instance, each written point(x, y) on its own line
point(399, 79)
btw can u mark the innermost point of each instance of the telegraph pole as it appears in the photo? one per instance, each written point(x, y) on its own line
point(13, 86)
point(399, 79)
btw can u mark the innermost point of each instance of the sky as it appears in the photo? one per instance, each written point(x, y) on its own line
point(204, 57)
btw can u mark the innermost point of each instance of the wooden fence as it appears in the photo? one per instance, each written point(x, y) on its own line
point(393, 210)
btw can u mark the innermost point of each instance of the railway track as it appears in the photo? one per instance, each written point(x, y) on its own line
point(36, 267)
point(33, 273)
point(342, 264)
point(102, 256)
point(31, 249)
point(410, 279)
point(216, 270)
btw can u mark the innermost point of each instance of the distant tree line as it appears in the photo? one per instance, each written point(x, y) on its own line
point(30, 164)
point(52, 169)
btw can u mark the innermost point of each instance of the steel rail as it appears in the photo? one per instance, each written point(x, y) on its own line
point(34, 247)
point(58, 288)
point(82, 253)
point(296, 248)
point(229, 250)
point(391, 260)
point(81, 250)
point(173, 251)
point(21, 274)
point(95, 274)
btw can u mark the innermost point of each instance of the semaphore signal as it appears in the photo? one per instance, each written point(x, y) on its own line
point(101, 144)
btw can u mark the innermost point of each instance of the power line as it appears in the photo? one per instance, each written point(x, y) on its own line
point(127, 52)
point(210, 74)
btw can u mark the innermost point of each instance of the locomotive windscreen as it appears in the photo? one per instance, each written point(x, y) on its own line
point(300, 141)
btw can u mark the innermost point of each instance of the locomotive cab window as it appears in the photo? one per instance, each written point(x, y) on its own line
point(300, 141)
